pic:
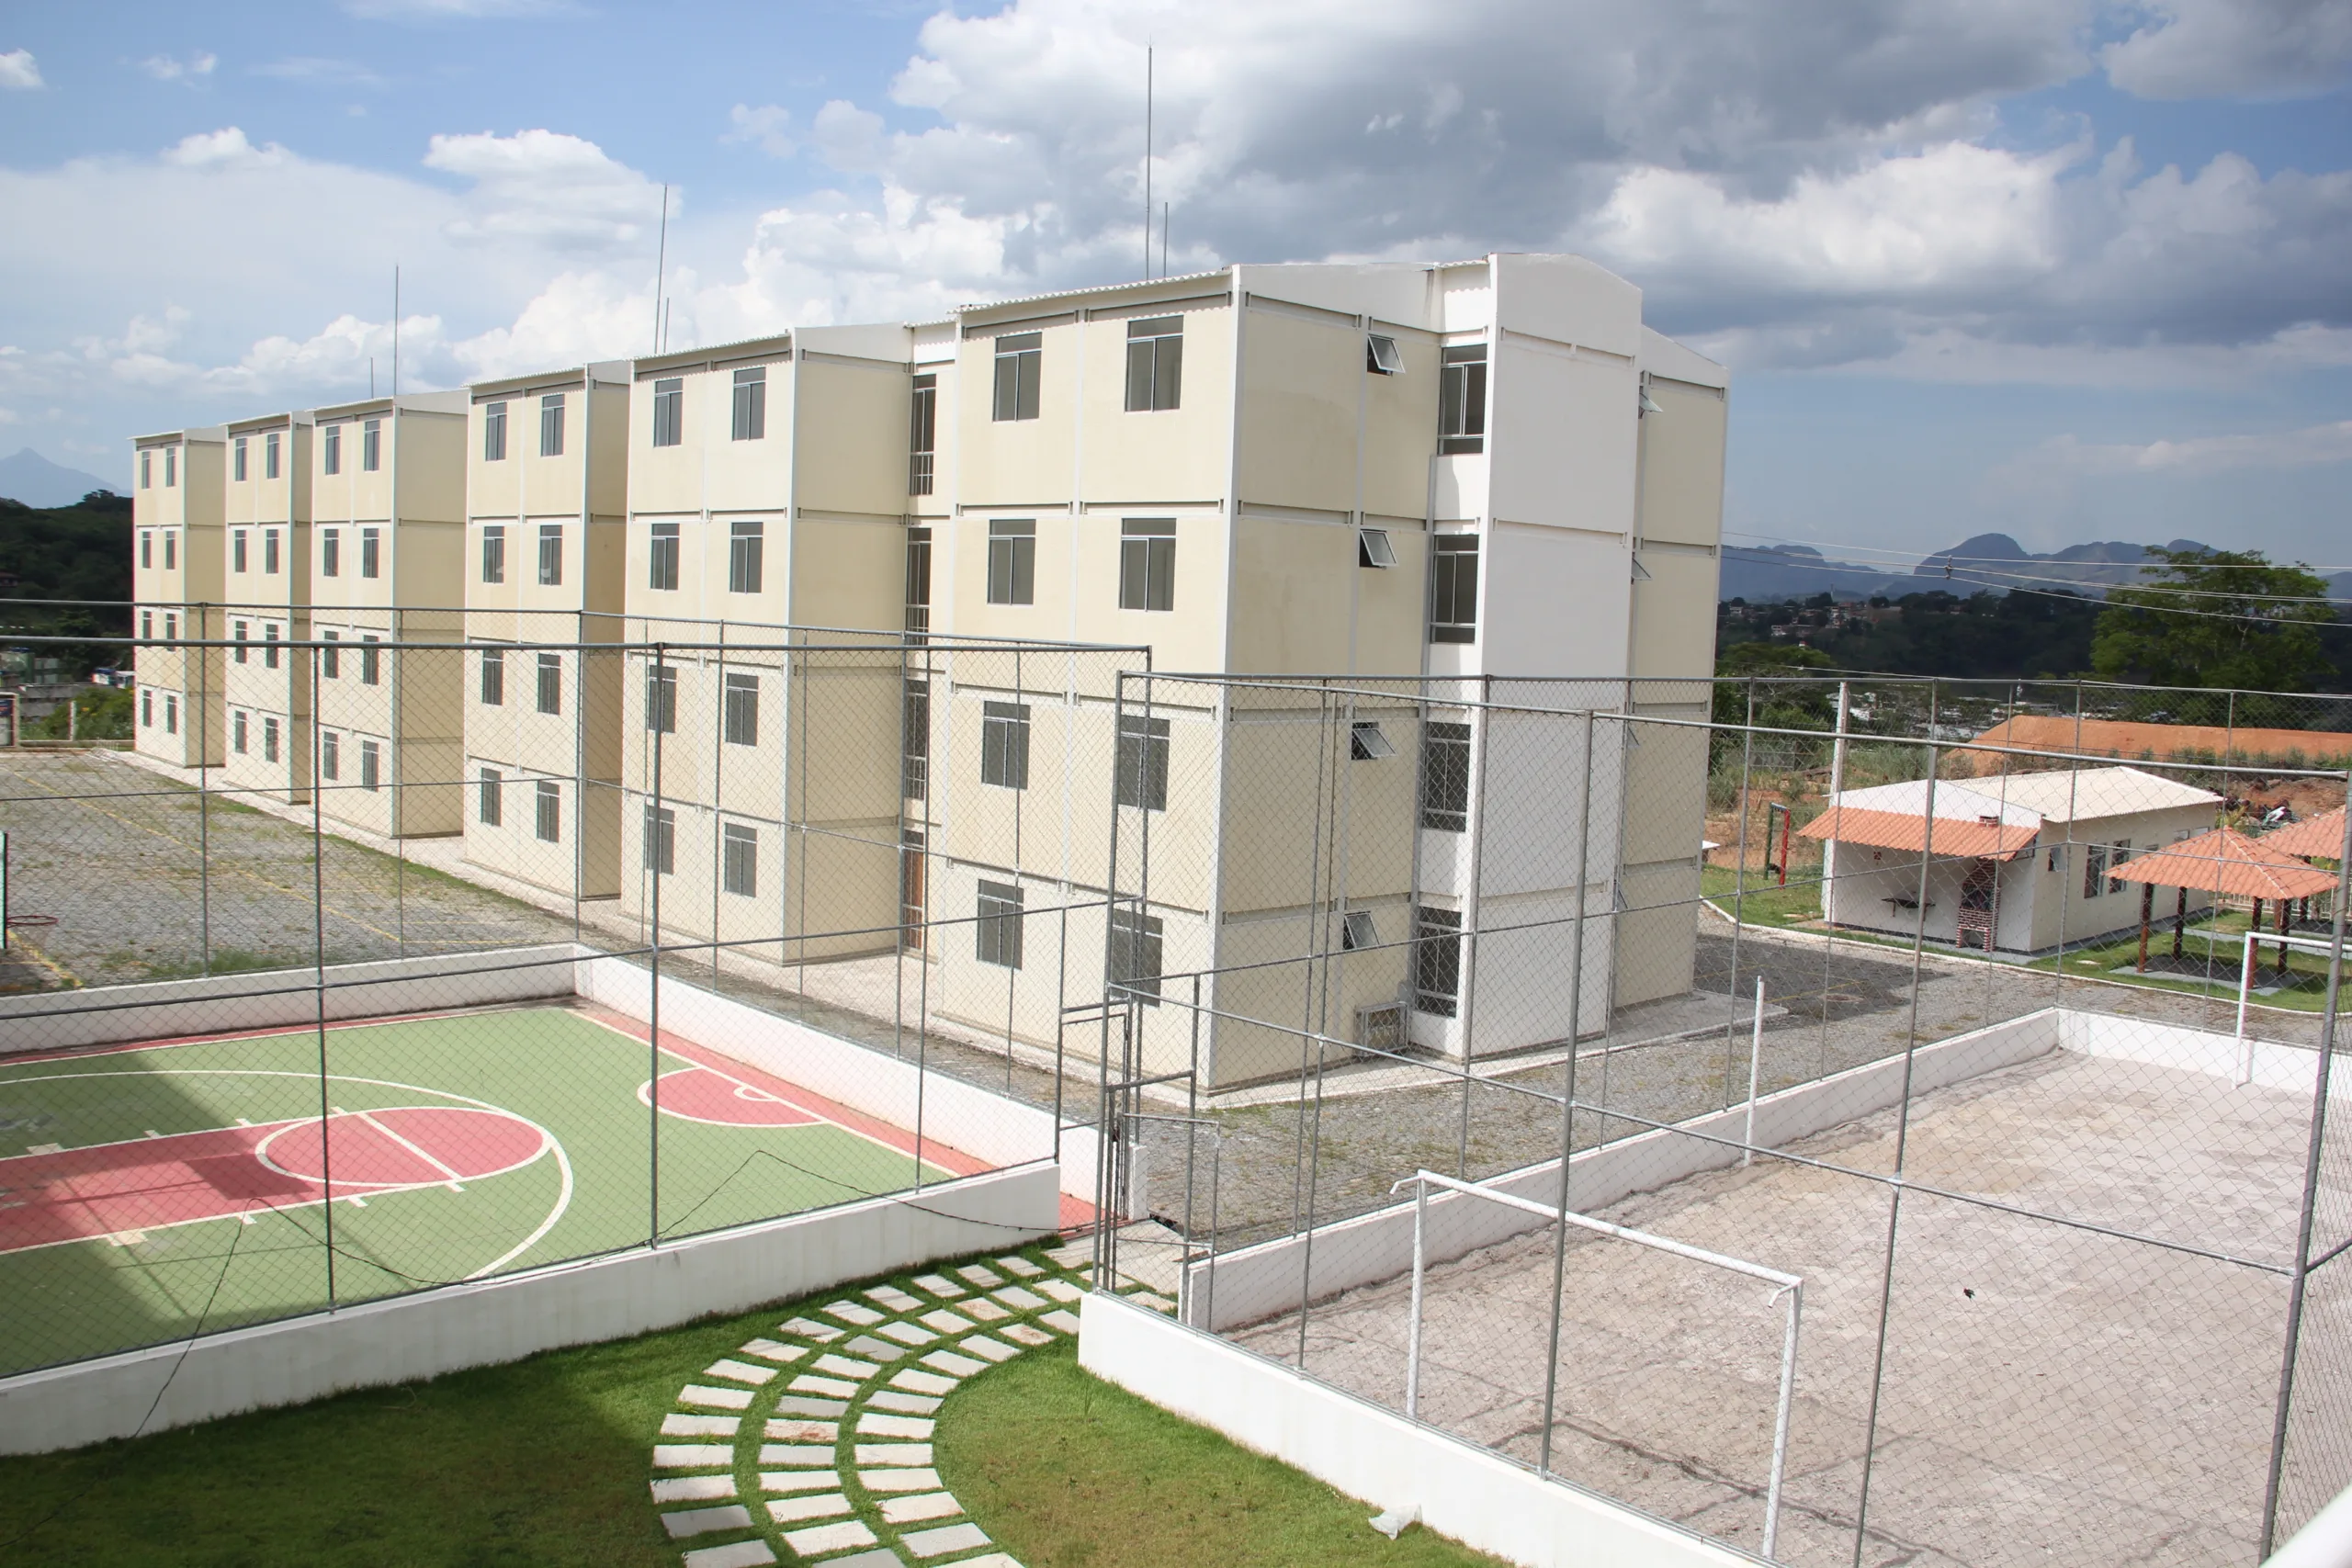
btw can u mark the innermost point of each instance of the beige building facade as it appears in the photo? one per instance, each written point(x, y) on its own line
point(178, 566)
point(265, 517)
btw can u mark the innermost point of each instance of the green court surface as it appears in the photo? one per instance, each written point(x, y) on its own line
point(152, 1191)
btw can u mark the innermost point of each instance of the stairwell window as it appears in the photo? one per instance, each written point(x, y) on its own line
point(1446, 776)
point(551, 555)
point(493, 552)
point(747, 546)
point(1437, 961)
point(1155, 364)
point(371, 446)
point(750, 408)
point(661, 558)
point(1013, 560)
point(1147, 563)
point(1004, 744)
point(1454, 588)
point(740, 709)
point(1461, 398)
point(1143, 762)
point(550, 684)
point(918, 584)
point(998, 930)
point(330, 552)
point(493, 433)
point(669, 411)
point(548, 803)
point(914, 740)
point(923, 435)
point(1020, 359)
point(1135, 956)
point(552, 425)
point(330, 450)
point(739, 860)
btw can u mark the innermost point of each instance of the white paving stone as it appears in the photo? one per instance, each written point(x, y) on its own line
point(891, 1399)
point(715, 1398)
point(892, 1297)
point(907, 1333)
point(821, 1506)
point(871, 1425)
point(694, 1488)
point(921, 1506)
point(846, 1366)
point(940, 1543)
point(810, 1329)
point(834, 1386)
point(1025, 1334)
point(994, 1349)
point(1073, 1256)
point(940, 1285)
point(769, 1350)
point(801, 1404)
point(985, 1309)
point(691, 1456)
point(1018, 1299)
point(1065, 1321)
point(702, 1521)
point(856, 1313)
point(880, 1557)
point(791, 1429)
point(738, 1371)
point(918, 1480)
point(923, 1382)
point(980, 1274)
point(1016, 1264)
point(892, 1455)
point(1061, 1290)
point(740, 1554)
point(948, 1362)
point(1156, 1301)
point(993, 1560)
point(822, 1538)
point(806, 1455)
point(800, 1481)
point(947, 1322)
point(700, 1425)
point(880, 1349)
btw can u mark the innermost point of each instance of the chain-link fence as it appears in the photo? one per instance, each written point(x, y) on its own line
point(384, 961)
point(1954, 1168)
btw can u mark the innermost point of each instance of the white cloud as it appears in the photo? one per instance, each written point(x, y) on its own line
point(164, 68)
point(2192, 457)
point(19, 71)
point(547, 188)
point(225, 148)
point(322, 72)
point(767, 127)
point(579, 317)
point(2256, 49)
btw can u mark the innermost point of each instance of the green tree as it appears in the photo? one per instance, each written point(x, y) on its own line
point(2216, 618)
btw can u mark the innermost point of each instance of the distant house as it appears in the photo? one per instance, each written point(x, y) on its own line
point(2021, 863)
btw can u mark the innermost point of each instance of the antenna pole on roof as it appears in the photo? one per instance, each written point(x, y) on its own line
point(1147, 159)
point(396, 333)
point(1163, 239)
point(661, 269)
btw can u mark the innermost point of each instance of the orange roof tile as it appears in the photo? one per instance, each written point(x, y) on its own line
point(2321, 836)
point(2226, 860)
point(1902, 830)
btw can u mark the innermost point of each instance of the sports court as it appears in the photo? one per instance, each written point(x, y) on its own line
point(151, 1188)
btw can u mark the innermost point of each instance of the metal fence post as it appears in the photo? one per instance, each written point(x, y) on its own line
point(1569, 1102)
point(319, 958)
point(649, 837)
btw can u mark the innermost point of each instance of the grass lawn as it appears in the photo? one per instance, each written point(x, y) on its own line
point(1067, 1472)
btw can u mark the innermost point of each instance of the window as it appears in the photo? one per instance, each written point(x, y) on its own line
point(270, 446)
point(490, 804)
point(269, 552)
point(330, 450)
point(1357, 931)
point(493, 677)
point(237, 460)
point(370, 552)
point(1143, 762)
point(270, 646)
point(1380, 355)
point(371, 765)
point(740, 709)
point(552, 425)
point(1366, 743)
point(1374, 548)
point(372, 445)
point(1134, 954)
point(1013, 560)
point(551, 555)
point(493, 433)
point(146, 626)
point(330, 552)
point(669, 411)
point(237, 731)
point(661, 840)
point(914, 740)
point(171, 549)
point(270, 738)
point(1004, 744)
point(2116, 855)
point(746, 556)
point(750, 421)
point(1462, 399)
point(923, 435)
point(1155, 362)
point(170, 467)
point(2094, 870)
point(146, 548)
point(998, 928)
point(547, 814)
point(1454, 588)
point(1437, 961)
point(370, 659)
point(146, 710)
point(661, 558)
point(493, 552)
point(739, 860)
point(918, 584)
point(661, 699)
point(240, 632)
point(237, 550)
point(551, 691)
point(1446, 776)
point(330, 656)
point(170, 625)
point(1147, 563)
point(147, 471)
point(171, 714)
point(330, 755)
point(1019, 356)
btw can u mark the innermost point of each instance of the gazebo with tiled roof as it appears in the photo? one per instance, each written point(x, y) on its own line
point(2223, 862)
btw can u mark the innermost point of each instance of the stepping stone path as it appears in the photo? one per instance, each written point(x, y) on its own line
point(814, 1446)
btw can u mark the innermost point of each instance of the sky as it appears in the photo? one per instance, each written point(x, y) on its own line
point(2064, 269)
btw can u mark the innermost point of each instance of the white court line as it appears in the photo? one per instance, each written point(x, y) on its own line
point(455, 1184)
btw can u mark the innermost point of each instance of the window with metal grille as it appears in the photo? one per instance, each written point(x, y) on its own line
point(661, 840)
point(918, 584)
point(493, 433)
point(923, 435)
point(750, 410)
point(1461, 398)
point(998, 930)
point(1135, 956)
point(661, 558)
point(372, 445)
point(1155, 362)
point(739, 860)
point(1013, 560)
point(740, 709)
point(550, 693)
point(1446, 776)
point(371, 765)
point(1020, 359)
point(669, 411)
point(552, 425)
point(1143, 761)
point(661, 699)
point(489, 805)
point(330, 552)
point(1437, 961)
point(1454, 588)
point(330, 450)
point(747, 546)
point(551, 555)
point(1004, 744)
point(371, 552)
point(1147, 563)
point(493, 677)
point(914, 740)
point(549, 801)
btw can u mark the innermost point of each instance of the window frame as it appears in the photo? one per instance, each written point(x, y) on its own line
point(1133, 935)
point(923, 435)
point(1461, 398)
point(371, 446)
point(1448, 589)
point(548, 698)
point(371, 552)
point(330, 552)
point(1147, 564)
point(331, 654)
point(1013, 560)
point(669, 411)
point(739, 859)
point(546, 811)
point(1141, 778)
point(1004, 744)
point(658, 839)
point(490, 798)
point(1437, 961)
point(1155, 364)
point(1374, 549)
point(748, 404)
point(661, 699)
point(551, 422)
point(273, 454)
point(1445, 782)
point(491, 691)
point(661, 558)
point(1000, 908)
point(738, 708)
point(1019, 366)
point(493, 552)
point(551, 555)
point(493, 431)
point(330, 755)
point(371, 765)
point(330, 450)
point(747, 548)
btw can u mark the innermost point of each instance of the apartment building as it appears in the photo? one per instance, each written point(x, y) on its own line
point(177, 562)
point(388, 531)
point(547, 500)
point(266, 515)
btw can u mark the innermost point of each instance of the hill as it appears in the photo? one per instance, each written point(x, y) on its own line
point(35, 481)
point(82, 551)
point(1992, 562)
